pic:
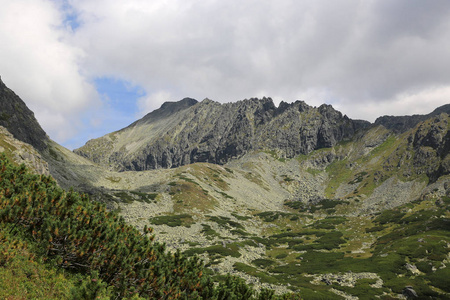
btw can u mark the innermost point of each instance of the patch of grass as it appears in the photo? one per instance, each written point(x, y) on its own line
point(188, 196)
point(173, 220)
point(215, 251)
point(313, 172)
point(323, 204)
point(263, 263)
point(281, 256)
point(124, 196)
point(375, 229)
point(257, 179)
point(440, 279)
point(226, 222)
point(114, 179)
point(328, 223)
point(144, 196)
point(271, 216)
point(250, 270)
point(338, 173)
point(229, 170)
point(54, 154)
point(389, 216)
point(240, 232)
point(5, 116)
point(209, 232)
point(182, 177)
point(358, 178)
point(224, 194)
point(363, 289)
point(330, 240)
point(241, 218)
point(286, 178)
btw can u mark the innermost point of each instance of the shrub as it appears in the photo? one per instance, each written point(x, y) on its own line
point(173, 220)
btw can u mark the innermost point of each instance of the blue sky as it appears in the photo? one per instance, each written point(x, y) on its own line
point(90, 67)
point(119, 110)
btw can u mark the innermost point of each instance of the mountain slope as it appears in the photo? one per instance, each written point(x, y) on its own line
point(19, 119)
point(216, 133)
point(316, 223)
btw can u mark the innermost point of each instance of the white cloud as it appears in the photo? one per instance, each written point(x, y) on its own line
point(39, 65)
point(408, 103)
point(151, 102)
point(367, 58)
point(355, 50)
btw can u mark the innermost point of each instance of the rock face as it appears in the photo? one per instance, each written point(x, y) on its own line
point(185, 132)
point(19, 119)
point(403, 123)
point(431, 144)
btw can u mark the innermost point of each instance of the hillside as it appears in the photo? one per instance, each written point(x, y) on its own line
point(45, 230)
point(258, 215)
point(19, 120)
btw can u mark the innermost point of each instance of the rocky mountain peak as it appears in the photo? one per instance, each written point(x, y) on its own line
point(185, 132)
point(19, 119)
point(173, 107)
point(166, 109)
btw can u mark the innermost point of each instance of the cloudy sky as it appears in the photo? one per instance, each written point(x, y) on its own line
point(89, 67)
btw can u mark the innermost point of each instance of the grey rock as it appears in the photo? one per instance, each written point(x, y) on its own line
point(19, 120)
point(431, 144)
point(401, 124)
point(409, 292)
point(186, 132)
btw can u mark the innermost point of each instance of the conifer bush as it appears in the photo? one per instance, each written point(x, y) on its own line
point(115, 260)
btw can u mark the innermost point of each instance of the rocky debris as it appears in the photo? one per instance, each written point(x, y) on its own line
point(392, 193)
point(19, 119)
point(412, 268)
point(186, 132)
point(346, 279)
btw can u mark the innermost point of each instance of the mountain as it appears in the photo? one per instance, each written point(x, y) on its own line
point(294, 197)
point(402, 123)
point(187, 132)
point(24, 141)
point(19, 120)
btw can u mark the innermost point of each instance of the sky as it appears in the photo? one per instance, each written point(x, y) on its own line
point(90, 67)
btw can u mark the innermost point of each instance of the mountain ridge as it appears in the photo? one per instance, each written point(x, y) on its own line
point(402, 123)
point(208, 131)
point(19, 119)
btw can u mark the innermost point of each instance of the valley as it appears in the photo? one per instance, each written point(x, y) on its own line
point(291, 198)
point(342, 222)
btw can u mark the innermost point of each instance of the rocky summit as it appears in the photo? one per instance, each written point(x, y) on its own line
point(188, 131)
point(291, 198)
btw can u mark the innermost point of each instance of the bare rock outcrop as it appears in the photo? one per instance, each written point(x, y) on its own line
point(19, 119)
point(185, 132)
